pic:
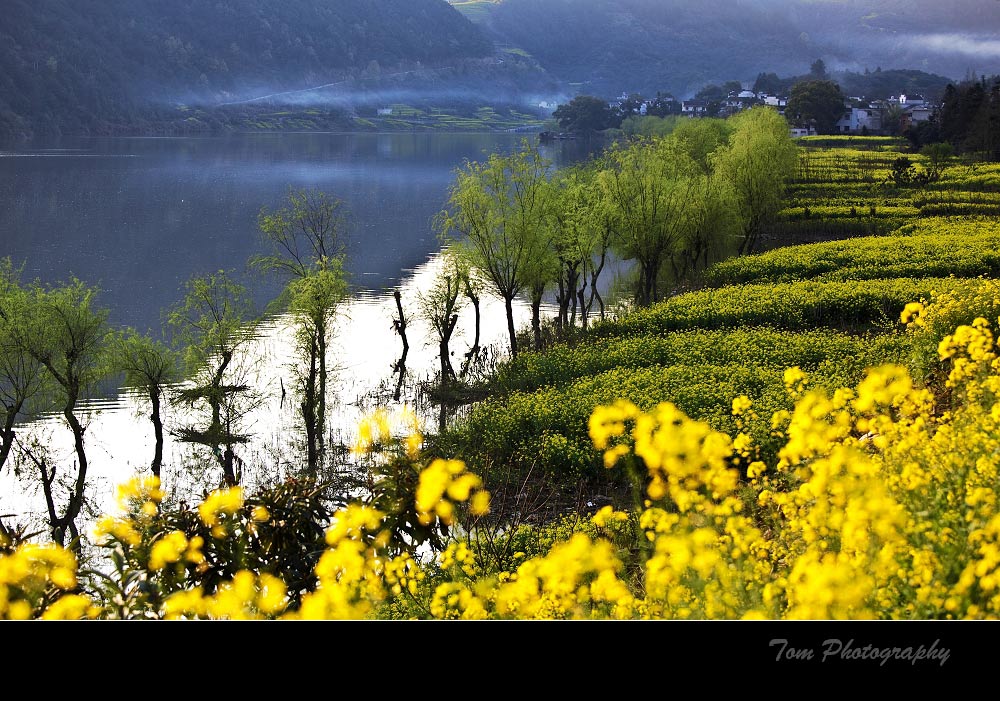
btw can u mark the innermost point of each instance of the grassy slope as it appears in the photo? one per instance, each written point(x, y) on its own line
point(830, 308)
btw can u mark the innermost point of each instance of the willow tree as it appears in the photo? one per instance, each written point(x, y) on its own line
point(308, 248)
point(710, 231)
point(581, 233)
point(700, 138)
point(313, 300)
point(650, 191)
point(60, 328)
point(440, 304)
point(149, 367)
point(21, 375)
point(215, 325)
point(755, 165)
point(496, 210)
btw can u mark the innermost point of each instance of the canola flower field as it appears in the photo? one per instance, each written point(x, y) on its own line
point(812, 435)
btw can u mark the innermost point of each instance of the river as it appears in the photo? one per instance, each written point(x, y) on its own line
point(140, 216)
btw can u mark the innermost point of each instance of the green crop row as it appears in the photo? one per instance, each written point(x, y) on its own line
point(951, 226)
point(943, 209)
point(845, 211)
point(853, 306)
point(770, 348)
point(869, 258)
point(546, 430)
point(851, 141)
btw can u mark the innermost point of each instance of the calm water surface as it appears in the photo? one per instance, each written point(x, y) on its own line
point(138, 217)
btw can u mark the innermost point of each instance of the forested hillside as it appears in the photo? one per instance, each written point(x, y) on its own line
point(610, 46)
point(82, 65)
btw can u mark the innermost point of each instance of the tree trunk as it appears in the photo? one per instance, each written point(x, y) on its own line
point(447, 370)
point(228, 473)
point(154, 400)
point(308, 406)
point(509, 306)
point(7, 436)
point(595, 274)
point(536, 321)
point(320, 422)
point(399, 325)
point(76, 495)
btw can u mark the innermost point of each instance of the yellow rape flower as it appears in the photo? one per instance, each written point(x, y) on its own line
point(220, 502)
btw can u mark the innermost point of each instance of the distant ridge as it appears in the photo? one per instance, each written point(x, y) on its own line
point(88, 65)
point(606, 47)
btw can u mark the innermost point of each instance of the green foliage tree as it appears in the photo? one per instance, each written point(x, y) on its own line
point(817, 70)
point(21, 375)
point(938, 156)
point(581, 231)
point(494, 210)
point(647, 126)
point(307, 238)
point(892, 119)
point(700, 138)
point(755, 165)
point(817, 102)
point(769, 83)
point(60, 328)
point(313, 301)
point(585, 113)
point(440, 304)
point(215, 324)
point(150, 367)
point(710, 234)
point(311, 226)
point(648, 187)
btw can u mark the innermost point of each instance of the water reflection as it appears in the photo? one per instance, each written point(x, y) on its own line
point(140, 216)
point(363, 356)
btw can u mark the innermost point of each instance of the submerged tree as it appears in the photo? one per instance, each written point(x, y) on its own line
point(313, 301)
point(60, 329)
point(472, 287)
point(440, 305)
point(215, 325)
point(21, 375)
point(150, 367)
point(311, 227)
point(575, 232)
point(307, 238)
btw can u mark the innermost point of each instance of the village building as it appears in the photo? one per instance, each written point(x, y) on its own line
point(694, 108)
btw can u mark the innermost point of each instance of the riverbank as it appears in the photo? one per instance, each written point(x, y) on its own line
point(263, 117)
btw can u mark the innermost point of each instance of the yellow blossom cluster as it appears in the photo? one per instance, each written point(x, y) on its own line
point(443, 484)
point(218, 506)
point(246, 597)
point(880, 504)
point(377, 429)
point(37, 581)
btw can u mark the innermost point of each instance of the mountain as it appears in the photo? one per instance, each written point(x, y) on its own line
point(111, 66)
point(86, 65)
point(606, 47)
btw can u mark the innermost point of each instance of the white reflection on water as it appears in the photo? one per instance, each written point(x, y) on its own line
point(119, 438)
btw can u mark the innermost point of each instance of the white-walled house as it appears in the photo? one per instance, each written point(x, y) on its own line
point(860, 119)
point(694, 108)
